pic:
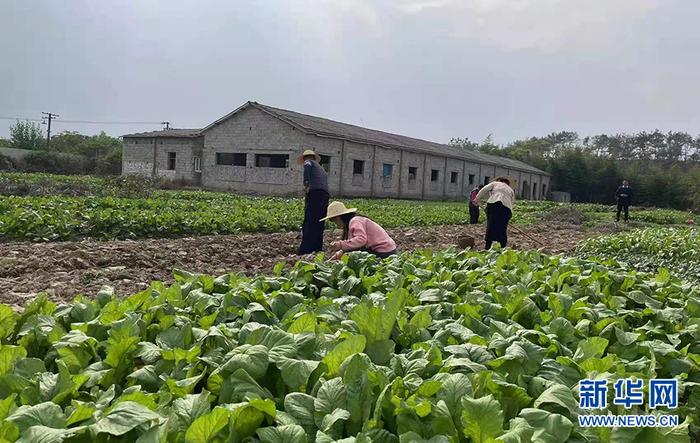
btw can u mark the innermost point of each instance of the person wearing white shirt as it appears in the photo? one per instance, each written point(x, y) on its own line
point(499, 197)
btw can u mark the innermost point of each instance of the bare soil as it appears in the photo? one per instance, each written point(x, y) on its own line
point(66, 269)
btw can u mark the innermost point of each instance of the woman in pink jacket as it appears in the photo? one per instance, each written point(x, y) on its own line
point(359, 233)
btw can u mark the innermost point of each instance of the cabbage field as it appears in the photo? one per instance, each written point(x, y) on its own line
point(652, 248)
point(437, 346)
point(431, 346)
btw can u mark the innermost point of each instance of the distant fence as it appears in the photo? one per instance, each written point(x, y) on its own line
point(15, 154)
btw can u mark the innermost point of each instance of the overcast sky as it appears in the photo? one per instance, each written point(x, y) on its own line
point(432, 69)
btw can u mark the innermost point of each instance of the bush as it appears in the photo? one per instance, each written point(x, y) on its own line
point(7, 164)
point(57, 163)
point(110, 163)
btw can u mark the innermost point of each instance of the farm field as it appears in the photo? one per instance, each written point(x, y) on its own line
point(172, 214)
point(206, 335)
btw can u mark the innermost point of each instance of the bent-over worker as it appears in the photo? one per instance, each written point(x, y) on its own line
point(499, 197)
point(359, 233)
point(315, 203)
point(474, 205)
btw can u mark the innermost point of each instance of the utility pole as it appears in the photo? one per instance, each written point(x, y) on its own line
point(49, 116)
point(167, 125)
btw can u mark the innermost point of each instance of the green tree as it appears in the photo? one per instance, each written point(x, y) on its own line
point(26, 135)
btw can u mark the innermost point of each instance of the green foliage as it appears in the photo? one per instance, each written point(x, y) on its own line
point(26, 135)
point(651, 249)
point(486, 347)
point(130, 207)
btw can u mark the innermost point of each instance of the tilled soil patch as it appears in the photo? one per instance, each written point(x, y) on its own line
point(66, 269)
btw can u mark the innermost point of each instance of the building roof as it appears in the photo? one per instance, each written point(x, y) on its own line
point(329, 128)
point(169, 133)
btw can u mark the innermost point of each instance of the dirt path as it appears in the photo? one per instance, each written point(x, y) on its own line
point(69, 268)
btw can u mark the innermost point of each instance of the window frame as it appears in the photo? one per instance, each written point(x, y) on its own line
point(414, 173)
point(197, 164)
point(258, 157)
point(387, 167)
point(434, 175)
point(172, 161)
point(355, 163)
point(235, 159)
point(454, 177)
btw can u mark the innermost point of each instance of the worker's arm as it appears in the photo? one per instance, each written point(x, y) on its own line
point(484, 194)
point(358, 237)
point(307, 174)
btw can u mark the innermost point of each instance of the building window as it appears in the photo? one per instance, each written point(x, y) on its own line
point(197, 164)
point(231, 159)
point(326, 163)
point(388, 170)
point(434, 175)
point(486, 180)
point(279, 161)
point(544, 190)
point(172, 156)
point(453, 177)
point(358, 167)
point(534, 190)
point(412, 173)
point(471, 179)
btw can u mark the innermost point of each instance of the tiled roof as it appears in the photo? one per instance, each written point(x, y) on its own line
point(172, 133)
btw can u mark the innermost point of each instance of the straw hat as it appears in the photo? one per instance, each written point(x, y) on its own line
point(337, 208)
point(308, 152)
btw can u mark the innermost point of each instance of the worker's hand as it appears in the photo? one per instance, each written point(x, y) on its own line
point(335, 244)
point(337, 255)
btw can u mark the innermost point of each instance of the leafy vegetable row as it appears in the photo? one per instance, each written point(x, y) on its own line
point(436, 347)
point(650, 249)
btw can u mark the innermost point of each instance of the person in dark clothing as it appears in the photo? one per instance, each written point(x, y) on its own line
point(624, 195)
point(474, 205)
point(315, 203)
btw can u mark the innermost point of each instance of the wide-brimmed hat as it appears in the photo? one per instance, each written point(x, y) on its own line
point(307, 153)
point(335, 209)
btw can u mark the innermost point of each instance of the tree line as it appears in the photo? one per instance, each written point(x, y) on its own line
point(663, 168)
point(67, 153)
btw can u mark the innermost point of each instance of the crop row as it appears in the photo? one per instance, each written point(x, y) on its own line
point(649, 249)
point(440, 347)
point(184, 213)
point(176, 214)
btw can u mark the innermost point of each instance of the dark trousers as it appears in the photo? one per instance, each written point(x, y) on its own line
point(497, 218)
point(621, 204)
point(473, 214)
point(315, 207)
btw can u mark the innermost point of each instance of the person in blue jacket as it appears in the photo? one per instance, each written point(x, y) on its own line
point(315, 203)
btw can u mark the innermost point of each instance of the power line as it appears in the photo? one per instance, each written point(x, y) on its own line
point(84, 121)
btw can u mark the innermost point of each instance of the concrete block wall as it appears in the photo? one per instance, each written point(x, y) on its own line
point(412, 187)
point(252, 132)
point(386, 186)
point(184, 150)
point(454, 190)
point(137, 156)
point(434, 189)
point(357, 185)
